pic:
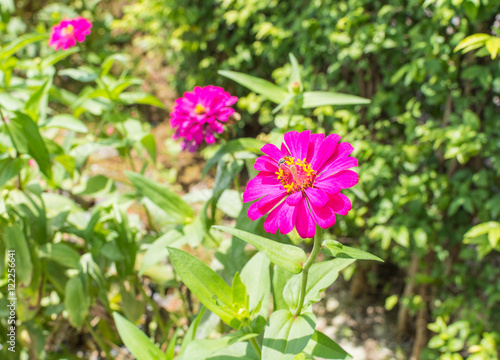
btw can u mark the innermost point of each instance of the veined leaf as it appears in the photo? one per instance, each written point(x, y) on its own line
point(322, 346)
point(76, 301)
point(138, 97)
point(314, 99)
point(161, 196)
point(321, 276)
point(288, 257)
point(57, 56)
point(203, 348)
point(9, 168)
point(82, 74)
point(287, 335)
point(205, 284)
point(149, 143)
point(472, 42)
point(61, 253)
point(16, 240)
point(136, 341)
point(257, 85)
point(256, 277)
point(336, 249)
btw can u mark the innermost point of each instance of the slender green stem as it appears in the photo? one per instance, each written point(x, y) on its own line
point(305, 271)
point(256, 347)
point(98, 340)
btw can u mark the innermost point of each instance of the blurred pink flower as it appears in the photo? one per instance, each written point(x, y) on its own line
point(299, 185)
point(65, 34)
point(199, 115)
point(32, 163)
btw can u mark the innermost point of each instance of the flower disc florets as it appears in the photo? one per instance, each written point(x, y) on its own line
point(299, 184)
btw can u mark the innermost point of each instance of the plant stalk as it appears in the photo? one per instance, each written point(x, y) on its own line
point(256, 347)
point(305, 271)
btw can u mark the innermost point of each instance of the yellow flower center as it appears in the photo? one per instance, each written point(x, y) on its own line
point(295, 174)
point(68, 30)
point(199, 109)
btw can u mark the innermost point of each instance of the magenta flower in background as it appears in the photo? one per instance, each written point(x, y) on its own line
point(199, 115)
point(65, 34)
point(299, 185)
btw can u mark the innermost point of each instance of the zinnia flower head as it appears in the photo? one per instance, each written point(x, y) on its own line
point(299, 184)
point(199, 115)
point(65, 34)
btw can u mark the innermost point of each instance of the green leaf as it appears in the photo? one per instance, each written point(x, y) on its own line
point(34, 103)
point(472, 42)
point(57, 56)
point(82, 74)
point(9, 168)
point(136, 341)
point(191, 333)
point(19, 43)
point(286, 335)
point(157, 250)
point(493, 46)
point(138, 97)
point(239, 291)
point(65, 121)
point(257, 85)
point(336, 249)
point(289, 257)
point(206, 285)
point(203, 349)
point(15, 240)
point(60, 253)
point(482, 229)
point(231, 147)
point(67, 161)
point(165, 198)
point(321, 276)
point(109, 61)
point(322, 346)
point(76, 301)
point(313, 99)
point(22, 128)
point(149, 143)
point(256, 277)
point(280, 279)
point(295, 75)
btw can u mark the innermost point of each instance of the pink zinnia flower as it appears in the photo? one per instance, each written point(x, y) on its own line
point(299, 185)
point(199, 115)
point(68, 32)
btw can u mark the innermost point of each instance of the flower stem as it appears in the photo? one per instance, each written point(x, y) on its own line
point(256, 347)
point(305, 271)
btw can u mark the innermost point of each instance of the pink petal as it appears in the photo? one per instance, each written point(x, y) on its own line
point(315, 142)
point(324, 183)
point(325, 151)
point(291, 139)
point(345, 179)
point(323, 216)
point(272, 151)
point(264, 205)
point(261, 185)
point(265, 163)
point(294, 199)
point(340, 204)
point(287, 218)
point(306, 227)
point(272, 222)
point(339, 165)
point(317, 197)
point(303, 144)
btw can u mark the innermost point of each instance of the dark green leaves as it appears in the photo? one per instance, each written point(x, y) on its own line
point(286, 335)
point(288, 257)
point(336, 249)
point(76, 301)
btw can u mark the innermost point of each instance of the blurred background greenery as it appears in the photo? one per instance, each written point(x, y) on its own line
point(428, 199)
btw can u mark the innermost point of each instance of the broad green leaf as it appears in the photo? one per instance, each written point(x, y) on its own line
point(239, 291)
point(157, 250)
point(162, 196)
point(19, 43)
point(57, 56)
point(36, 101)
point(203, 349)
point(9, 167)
point(280, 279)
point(289, 257)
point(109, 61)
point(149, 143)
point(257, 85)
point(231, 147)
point(323, 347)
point(67, 161)
point(76, 301)
point(22, 127)
point(136, 341)
point(321, 276)
point(205, 284)
point(82, 74)
point(314, 99)
point(256, 277)
point(286, 335)
point(237, 351)
point(284, 103)
point(138, 97)
point(493, 46)
point(65, 121)
point(336, 249)
point(191, 333)
point(60, 253)
point(15, 240)
point(95, 185)
point(482, 229)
